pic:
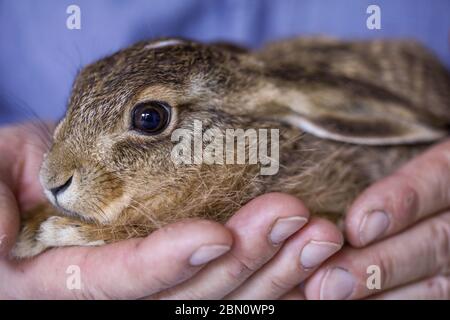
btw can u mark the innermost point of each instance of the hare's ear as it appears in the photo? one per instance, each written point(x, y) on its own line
point(232, 47)
point(360, 120)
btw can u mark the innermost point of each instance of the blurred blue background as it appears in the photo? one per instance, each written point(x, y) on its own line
point(39, 56)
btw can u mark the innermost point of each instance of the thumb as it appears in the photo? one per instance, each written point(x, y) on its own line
point(9, 219)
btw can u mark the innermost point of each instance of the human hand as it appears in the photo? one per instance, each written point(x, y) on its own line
point(123, 270)
point(402, 225)
point(169, 263)
point(275, 249)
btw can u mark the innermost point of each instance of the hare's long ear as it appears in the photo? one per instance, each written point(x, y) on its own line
point(336, 115)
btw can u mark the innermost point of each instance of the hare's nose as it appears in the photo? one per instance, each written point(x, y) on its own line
point(61, 188)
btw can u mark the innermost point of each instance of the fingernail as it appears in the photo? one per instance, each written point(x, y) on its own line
point(338, 284)
point(207, 253)
point(316, 252)
point(373, 226)
point(285, 227)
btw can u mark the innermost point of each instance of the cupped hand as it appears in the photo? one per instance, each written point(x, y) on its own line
point(400, 226)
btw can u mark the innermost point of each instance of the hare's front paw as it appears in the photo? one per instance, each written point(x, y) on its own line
point(62, 231)
point(27, 245)
point(55, 231)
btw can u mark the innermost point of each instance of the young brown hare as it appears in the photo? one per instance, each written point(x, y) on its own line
point(348, 113)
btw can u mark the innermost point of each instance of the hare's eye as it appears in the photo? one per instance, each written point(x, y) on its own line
point(151, 117)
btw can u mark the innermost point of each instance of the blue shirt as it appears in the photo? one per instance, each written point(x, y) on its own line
point(40, 56)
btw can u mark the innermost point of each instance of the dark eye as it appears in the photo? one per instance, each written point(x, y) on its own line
point(151, 117)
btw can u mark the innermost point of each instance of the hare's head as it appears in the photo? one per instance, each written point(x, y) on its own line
point(112, 151)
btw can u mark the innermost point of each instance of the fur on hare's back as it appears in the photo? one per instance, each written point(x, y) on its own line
point(348, 113)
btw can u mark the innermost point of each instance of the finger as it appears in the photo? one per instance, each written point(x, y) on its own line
point(295, 294)
point(127, 270)
point(417, 253)
point(434, 288)
point(418, 189)
point(9, 219)
point(258, 229)
point(19, 186)
point(298, 259)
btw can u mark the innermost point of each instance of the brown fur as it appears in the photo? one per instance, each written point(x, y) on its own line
point(392, 94)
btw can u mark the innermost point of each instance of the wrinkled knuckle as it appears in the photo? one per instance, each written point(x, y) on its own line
point(279, 285)
point(239, 269)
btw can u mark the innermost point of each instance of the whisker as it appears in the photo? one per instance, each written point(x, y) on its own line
point(147, 213)
point(101, 212)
